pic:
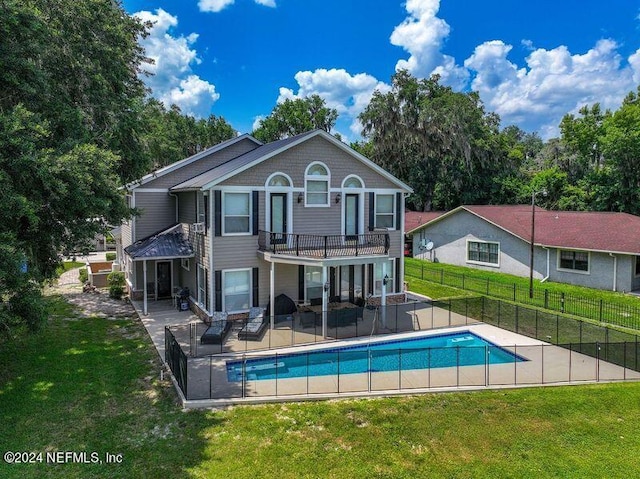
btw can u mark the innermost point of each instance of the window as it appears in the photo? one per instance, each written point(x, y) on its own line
point(184, 262)
point(237, 213)
point(483, 252)
point(237, 289)
point(637, 265)
point(313, 282)
point(317, 185)
point(279, 180)
point(352, 182)
point(378, 277)
point(574, 260)
point(384, 211)
point(202, 286)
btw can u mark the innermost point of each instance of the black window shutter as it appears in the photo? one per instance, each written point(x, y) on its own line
point(398, 278)
point(256, 290)
point(217, 205)
point(218, 288)
point(206, 214)
point(255, 212)
point(370, 283)
point(300, 283)
point(398, 211)
point(206, 290)
point(372, 211)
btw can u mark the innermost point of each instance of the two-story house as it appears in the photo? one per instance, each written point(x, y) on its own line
point(243, 222)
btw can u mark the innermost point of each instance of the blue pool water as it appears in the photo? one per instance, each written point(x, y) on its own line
point(424, 352)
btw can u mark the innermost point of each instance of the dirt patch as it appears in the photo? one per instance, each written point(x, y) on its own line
point(92, 304)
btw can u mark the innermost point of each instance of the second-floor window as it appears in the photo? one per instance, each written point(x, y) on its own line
point(384, 211)
point(316, 181)
point(237, 213)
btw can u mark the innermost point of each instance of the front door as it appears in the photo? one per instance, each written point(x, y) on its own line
point(351, 216)
point(279, 217)
point(163, 278)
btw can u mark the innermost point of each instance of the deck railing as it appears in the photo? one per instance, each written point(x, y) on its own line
point(324, 246)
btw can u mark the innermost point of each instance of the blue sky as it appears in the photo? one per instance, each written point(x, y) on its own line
point(531, 62)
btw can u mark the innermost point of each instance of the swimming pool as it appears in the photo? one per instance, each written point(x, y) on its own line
point(421, 352)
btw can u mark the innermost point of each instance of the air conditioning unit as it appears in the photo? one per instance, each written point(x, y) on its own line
point(197, 228)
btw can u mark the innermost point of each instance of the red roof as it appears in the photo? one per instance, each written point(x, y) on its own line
point(415, 219)
point(585, 230)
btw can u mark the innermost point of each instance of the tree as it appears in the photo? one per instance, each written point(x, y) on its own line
point(69, 104)
point(293, 117)
point(439, 141)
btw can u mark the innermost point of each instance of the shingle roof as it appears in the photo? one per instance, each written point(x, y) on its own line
point(585, 230)
point(170, 243)
point(236, 163)
point(415, 219)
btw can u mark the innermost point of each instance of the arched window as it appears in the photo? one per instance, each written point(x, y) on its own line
point(317, 185)
point(279, 180)
point(352, 182)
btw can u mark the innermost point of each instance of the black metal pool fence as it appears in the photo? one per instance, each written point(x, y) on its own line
point(577, 351)
point(618, 314)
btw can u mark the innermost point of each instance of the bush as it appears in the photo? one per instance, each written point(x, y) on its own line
point(116, 283)
point(110, 256)
point(83, 275)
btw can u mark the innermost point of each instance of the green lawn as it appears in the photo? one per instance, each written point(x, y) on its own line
point(93, 385)
point(605, 306)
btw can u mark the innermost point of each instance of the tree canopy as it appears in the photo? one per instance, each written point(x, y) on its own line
point(293, 117)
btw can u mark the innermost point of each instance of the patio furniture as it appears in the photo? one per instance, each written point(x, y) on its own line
point(307, 318)
point(255, 327)
point(218, 330)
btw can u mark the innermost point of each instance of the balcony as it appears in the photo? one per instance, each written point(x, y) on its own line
point(324, 246)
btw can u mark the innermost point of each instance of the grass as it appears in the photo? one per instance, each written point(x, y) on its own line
point(605, 306)
point(68, 265)
point(89, 384)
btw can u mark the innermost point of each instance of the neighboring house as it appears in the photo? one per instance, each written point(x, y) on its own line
point(594, 249)
point(243, 222)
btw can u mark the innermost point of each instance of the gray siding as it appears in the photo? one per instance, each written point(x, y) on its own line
point(126, 235)
point(200, 166)
point(295, 161)
point(158, 212)
point(450, 236)
point(187, 207)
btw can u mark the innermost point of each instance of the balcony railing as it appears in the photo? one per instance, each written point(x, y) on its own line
point(324, 246)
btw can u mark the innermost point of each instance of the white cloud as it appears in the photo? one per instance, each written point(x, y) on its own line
point(422, 35)
point(348, 94)
point(173, 80)
point(553, 83)
point(216, 6)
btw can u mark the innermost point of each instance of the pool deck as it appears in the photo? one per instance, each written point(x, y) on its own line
point(208, 385)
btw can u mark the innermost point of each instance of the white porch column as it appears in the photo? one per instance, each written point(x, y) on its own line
point(383, 298)
point(272, 294)
point(325, 301)
point(144, 287)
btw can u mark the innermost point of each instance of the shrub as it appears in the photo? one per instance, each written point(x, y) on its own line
point(110, 256)
point(83, 275)
point(116, 283)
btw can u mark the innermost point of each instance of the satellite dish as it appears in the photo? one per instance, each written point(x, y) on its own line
point(429, 245)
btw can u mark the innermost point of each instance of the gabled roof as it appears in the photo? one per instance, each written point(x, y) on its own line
point(607, 232)
point(170, 243)
point(241, 163)
point(187, 161)
point(415, 219)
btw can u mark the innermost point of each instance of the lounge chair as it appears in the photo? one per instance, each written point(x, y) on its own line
point(255, 327)
point(218, 330)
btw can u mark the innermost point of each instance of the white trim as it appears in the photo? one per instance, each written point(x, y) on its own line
point(222, 211)
point(305, 137)
point(222, 287)
point(289, 206)
point(152, 190)
point(202, 302)
point(483, 263)
point(278, 173)
point(188, 264)
point(569, 270)
point(317, 178)
point(348, 177)
point(187, 161)
point(393, 211)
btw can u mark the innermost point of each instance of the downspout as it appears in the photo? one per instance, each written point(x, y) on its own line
point(176, 197)
point(548, 265)
point(615, 271)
